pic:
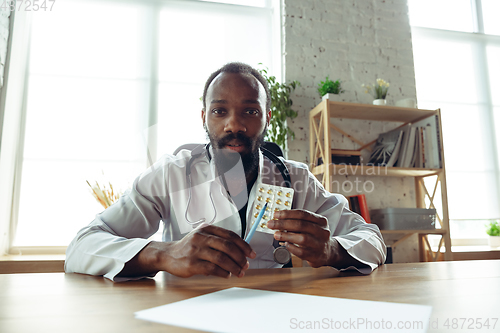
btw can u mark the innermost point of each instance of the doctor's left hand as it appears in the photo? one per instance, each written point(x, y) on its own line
point(307, 236)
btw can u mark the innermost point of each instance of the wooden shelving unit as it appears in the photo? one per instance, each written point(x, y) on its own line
point(320, 127)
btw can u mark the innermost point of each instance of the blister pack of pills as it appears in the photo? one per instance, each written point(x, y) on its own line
point(277, 198)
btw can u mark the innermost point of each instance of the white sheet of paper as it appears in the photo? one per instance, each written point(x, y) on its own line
point(250, 310)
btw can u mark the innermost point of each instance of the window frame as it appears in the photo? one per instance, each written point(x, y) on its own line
point(479, 41)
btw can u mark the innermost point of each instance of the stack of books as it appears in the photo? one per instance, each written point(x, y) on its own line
point(416, 145)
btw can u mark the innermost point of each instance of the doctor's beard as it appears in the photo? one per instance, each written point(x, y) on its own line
point(226, 159)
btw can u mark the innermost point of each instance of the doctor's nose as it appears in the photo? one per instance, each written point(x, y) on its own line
point(234, 124)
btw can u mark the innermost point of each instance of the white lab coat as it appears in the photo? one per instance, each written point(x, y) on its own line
point(160, 195)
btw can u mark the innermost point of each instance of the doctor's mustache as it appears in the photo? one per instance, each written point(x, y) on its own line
point(245, 140)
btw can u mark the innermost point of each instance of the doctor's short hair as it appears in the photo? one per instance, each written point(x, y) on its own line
point(238, 67)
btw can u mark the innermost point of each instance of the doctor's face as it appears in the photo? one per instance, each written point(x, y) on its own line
point(235, 117)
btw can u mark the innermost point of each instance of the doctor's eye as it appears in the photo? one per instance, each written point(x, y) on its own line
point(218, 111)
point(253, 111)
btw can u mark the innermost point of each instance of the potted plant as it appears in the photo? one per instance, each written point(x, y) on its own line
point(378, 91)
point(493, 231)
point(329, 89)
point(105, 196)
point(281, 109)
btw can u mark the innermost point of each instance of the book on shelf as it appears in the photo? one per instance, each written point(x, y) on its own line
point(344, 156)
point(433, 139)
point(357, 204)
point(415, 159)
point(419, 156)
point(386, 150)
point(404, 143)
point(409, 149)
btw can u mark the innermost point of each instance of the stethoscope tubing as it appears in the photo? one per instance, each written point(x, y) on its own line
point(198, 152)
point(279, 251)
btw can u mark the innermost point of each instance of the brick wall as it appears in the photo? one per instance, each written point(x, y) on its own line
point(356, 42)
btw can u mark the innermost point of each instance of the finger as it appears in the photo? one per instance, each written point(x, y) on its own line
point(232, 237)
point(301, 214)
point(223, 261)
point(223, 251)
point(299, 226)
point(304, 254)
point(303, 239)
point(208, 268)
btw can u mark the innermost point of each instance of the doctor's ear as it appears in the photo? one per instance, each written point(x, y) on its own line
point(269, 114)
point(203, 116)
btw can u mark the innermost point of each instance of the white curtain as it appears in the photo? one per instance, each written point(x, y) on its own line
point(12, 127)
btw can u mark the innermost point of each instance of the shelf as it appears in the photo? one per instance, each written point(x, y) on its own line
point(373, 112)
point(373, 171)
point(322, 120)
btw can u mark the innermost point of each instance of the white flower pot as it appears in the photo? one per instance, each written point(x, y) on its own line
point(379, 102)
point(331, 97)
point(494, 241)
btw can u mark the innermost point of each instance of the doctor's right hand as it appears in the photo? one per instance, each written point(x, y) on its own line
point(207, 250)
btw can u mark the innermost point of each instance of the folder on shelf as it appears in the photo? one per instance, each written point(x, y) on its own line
point(357, 204)
point(386, 150)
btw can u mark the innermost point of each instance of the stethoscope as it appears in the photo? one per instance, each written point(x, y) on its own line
point(281, 254)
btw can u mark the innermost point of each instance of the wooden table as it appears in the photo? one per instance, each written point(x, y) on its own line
point(57, 302)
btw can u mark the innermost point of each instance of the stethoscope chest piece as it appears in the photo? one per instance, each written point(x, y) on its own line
point(281, 255)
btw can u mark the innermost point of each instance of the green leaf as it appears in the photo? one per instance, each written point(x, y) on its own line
point(281, 104)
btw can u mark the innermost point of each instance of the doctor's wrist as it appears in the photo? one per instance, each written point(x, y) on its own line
point(150, 260)
point(340, 258)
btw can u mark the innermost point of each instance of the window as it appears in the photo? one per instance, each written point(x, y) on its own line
point(113, 85)
point(456, 46)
